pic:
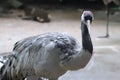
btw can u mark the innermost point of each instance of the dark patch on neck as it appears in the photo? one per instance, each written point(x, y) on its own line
point(86, 39)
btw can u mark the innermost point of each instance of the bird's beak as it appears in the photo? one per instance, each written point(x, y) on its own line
point(88, 24)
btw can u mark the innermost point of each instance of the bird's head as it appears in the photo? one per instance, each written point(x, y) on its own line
point(87, 18)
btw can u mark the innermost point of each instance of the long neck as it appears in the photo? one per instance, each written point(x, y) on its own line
point(81, 59)
point(86, 39)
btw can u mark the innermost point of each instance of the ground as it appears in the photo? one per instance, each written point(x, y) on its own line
point(105, 63)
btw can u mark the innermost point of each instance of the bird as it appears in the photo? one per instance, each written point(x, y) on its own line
point(49, 55)
point(108, 11)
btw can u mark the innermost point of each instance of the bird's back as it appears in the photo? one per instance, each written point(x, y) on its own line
point(43, 53)
point(55, 40)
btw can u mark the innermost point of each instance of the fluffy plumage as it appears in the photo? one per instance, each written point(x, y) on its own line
point(48, 55)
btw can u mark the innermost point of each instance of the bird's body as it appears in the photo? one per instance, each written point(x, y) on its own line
point(45, 53)
point(48, 55)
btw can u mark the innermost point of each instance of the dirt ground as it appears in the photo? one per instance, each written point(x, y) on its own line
point(105, 63)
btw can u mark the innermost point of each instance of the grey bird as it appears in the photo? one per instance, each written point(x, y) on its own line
point(49, 55)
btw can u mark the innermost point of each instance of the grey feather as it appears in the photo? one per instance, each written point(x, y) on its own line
point(48, 55)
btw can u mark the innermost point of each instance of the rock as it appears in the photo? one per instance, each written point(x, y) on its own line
point(39, 15)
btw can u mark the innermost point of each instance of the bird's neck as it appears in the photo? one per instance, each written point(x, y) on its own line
point(86, 39)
